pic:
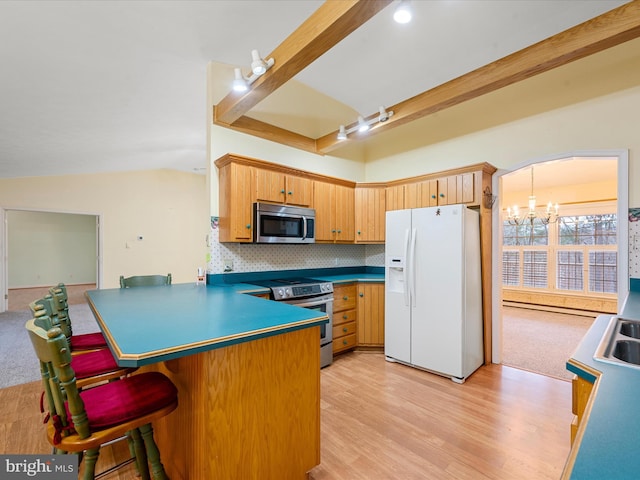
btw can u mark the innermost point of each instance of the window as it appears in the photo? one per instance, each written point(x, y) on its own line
point(535, 233)
point(534, 268)
point(569, 275)
point(576, 254)
point(588, 230)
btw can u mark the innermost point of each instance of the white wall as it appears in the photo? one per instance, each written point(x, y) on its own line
point(169, 209)
point(46, 248)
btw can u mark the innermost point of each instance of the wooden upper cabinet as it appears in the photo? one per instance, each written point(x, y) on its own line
point(417, 195)
point(236, 203)
point(324, 201)
point(394, 198)
point(370, 214)
point(345, 213)
point(277, 187)
point(335, 212)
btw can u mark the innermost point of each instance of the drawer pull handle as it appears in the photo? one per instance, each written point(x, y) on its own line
point(344, 342)
point(248, 225)
point(345, 329)
point(344, 316)
point(361, 294)
point(345, 298)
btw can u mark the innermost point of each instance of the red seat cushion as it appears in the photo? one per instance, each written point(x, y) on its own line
point(88, 341)
point(123, 400)
point(93, 363)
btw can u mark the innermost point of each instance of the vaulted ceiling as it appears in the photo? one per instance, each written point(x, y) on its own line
point(96, 86)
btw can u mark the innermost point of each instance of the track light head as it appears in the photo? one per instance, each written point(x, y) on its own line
point(384, 116)
point(342, 133)
point(362, 125)
point(258, 65)
point(403, 12)
point(239, 83)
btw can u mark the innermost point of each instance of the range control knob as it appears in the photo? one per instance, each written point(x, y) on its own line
point(280, 293)
point(287, 292)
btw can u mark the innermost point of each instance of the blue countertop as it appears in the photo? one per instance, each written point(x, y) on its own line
point(609, 443)
point(145, 325)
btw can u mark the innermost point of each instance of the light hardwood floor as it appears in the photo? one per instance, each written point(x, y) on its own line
point(387, 421)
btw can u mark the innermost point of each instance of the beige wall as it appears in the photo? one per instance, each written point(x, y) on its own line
point(168, 208)
point(609, 122)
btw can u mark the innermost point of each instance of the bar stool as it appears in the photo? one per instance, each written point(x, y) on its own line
point(145, 280)
point(83, 421)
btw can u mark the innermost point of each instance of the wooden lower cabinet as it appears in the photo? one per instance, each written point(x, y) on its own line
point(371, 315)
point(581, 391)
point(344, 317)
point(358, 316)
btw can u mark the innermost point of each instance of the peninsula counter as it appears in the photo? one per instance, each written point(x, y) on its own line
point(247, 372)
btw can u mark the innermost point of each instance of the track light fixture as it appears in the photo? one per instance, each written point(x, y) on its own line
point(258, 68)
point(363, 125)
point(403, 12)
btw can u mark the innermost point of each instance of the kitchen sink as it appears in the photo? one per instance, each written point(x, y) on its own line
point(627, 351)
point(630, 329)
point(620, 343)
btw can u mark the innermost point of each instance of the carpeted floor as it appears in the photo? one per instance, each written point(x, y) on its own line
point(18, 362)
point(541, 342)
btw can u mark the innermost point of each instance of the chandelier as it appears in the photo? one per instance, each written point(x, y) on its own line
point(550, 215)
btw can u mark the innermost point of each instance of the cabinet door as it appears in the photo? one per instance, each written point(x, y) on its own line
point(433, 193)
point(236, 203)
point(270, 186)
point(344, 209)
point(370, 311)
point(370, 214)
point(395, 198)
point(416, 195)
point(298, 191)
point(323, 200)
point(468, 194)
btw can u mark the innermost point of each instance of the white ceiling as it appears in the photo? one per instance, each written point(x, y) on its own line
point(94, 86)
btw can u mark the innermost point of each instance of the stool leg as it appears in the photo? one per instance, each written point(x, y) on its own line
point(136, 445)
point(90, 459)
point(153, 454)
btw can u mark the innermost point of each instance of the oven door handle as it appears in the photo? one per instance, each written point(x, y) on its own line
point(311, 303)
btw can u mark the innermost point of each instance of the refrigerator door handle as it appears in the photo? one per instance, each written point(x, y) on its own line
point(405, 271)
point(412, 263)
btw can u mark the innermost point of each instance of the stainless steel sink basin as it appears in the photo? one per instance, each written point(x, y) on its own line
point(627, 351)
point(630, 329)
point(620, 343)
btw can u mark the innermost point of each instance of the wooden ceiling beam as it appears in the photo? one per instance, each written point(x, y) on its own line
point(326, 27)
point(260, 129)
point(600, 33)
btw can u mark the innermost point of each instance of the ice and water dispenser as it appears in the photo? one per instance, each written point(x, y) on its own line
point(395, 274)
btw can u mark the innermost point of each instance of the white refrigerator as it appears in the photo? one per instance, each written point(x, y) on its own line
point(433, 290)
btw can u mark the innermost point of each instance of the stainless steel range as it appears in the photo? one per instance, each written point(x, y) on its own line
point(312, 294)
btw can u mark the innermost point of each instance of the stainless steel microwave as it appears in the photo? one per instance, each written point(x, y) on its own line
point(283, 224)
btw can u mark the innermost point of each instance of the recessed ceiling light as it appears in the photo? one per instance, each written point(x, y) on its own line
point(403, 12)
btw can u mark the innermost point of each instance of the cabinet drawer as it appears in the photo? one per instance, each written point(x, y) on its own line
point(344, 297)
point(344, 343)
point(344, 329)
point(344, 316)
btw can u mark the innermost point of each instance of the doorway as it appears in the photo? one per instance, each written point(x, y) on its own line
point(44, 248)
point(569, 186)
